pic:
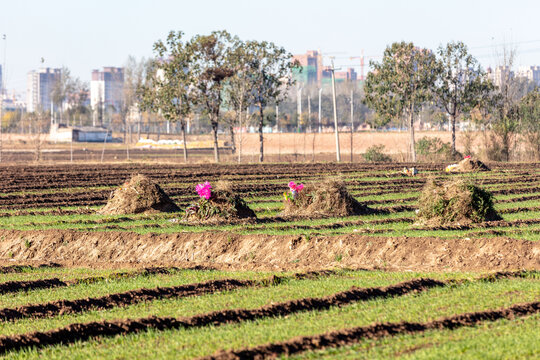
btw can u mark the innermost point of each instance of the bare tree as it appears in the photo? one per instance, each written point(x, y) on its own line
point(211, 67)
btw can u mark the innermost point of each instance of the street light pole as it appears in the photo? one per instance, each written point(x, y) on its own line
point(338, 154)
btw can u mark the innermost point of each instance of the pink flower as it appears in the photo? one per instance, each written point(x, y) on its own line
point(292, 185)
point(467, 157)
point(204, 190)
point(295, 187)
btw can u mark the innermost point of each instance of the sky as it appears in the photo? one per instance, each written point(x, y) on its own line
point(88, 34)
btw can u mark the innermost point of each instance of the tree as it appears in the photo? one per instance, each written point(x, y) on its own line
point(63, 87)
point(76, 100)
point(270, 72)
point(168, 87)
point(211, 67)
point(529, 114)
point(238, 95)
point(401, 83)
point(504, 123)
point(460, 84)
point(134, 77)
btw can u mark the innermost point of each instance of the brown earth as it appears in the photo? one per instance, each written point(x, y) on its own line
point(267, 252)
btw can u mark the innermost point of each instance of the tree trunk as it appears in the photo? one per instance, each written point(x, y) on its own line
point(183, 127)
point(411, 129)
point(261, 138)
point(233, 142)
point(216, 145)
point(453, 134)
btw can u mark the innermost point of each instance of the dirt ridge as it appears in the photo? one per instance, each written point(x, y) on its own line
point(353, 335)
point(234, 251)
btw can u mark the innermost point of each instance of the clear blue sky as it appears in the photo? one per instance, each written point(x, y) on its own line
point(88, 34)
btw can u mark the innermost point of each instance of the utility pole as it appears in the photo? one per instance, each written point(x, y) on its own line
point(279, 132)
point(352, 123)
point(333, 69)
point(320, 93)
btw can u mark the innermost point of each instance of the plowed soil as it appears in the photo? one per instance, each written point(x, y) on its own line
point(350, 336)
point(269, 252)
point(85, 331)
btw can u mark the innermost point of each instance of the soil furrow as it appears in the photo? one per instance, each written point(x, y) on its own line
point(26, 285)
point(10, 269)
point(85, 331)
point(131, 297)
point(353, 335)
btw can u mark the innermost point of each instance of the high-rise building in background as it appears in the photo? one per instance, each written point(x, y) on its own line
point(311, 67)
point(106, 89)
point(313, 72)
point(500, 74)
point(1, 83)
point(531, 73)
point(39, 88)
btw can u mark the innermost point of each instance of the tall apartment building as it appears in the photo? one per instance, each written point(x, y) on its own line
point(532, 73)
point(39, 88)
point(106, 89)
point(311, 67)
point(314, 72)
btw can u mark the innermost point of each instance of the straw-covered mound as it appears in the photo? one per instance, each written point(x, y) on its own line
point(468, 165)
point(139, 195)
point(222, 205)
point(455, 202)
point(329, 198)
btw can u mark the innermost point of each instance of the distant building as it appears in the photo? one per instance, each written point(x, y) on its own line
point(311, 67)
point(39, 88)
point(340, 76)
point(531, 73)
point(63, 133)
point(1, 83)
point(499, 74)
point(106, 89)
point(313, 72)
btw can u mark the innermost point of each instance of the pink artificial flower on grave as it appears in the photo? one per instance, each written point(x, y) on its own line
point(204, 190)
point(295, 187)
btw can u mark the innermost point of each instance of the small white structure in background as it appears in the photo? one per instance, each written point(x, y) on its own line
point(63, 133)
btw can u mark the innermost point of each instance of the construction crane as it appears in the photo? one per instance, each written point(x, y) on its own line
point(361, 57)
point(362, 60)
